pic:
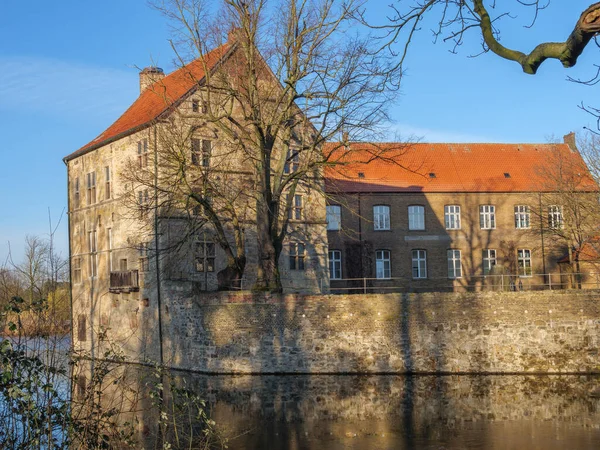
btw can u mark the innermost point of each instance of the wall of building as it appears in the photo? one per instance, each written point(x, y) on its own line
point(358, 240)
point(556, 331)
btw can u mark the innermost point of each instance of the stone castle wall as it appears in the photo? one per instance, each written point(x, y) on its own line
point(554, 331)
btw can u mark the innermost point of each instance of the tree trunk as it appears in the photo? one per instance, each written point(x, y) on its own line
point(268, 277)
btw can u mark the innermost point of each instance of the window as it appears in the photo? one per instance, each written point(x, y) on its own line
point(381, 217)
point(123, 265)
point(555, 217)
point(109, 245)
point(487, 217)
point(76, 194)
point(295, 212)
point(454, 265)
point(144, 202)
point(524, 262)
point(489, 260)
point(383, 268)
point(143, 259)
point(522, 217)
point(335, 264)
point(296, 256)
point(81, 328)
point(416, 217)
point(143, 153)
point(452, 217)
point(419, 264)
point(107, 189)
point(93, 251)
point(76, 270)
point(205, 256)
point(195, 106)
point(201, 151)
point(292, 162)
point(91, 188)
point(334, 217)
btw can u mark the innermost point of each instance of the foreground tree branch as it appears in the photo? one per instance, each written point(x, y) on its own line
point(566, 52)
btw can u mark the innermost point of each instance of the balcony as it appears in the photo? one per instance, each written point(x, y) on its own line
point(124, 281)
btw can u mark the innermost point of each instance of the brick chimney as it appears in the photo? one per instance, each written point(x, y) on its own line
point(150, 75)
point(569, 139)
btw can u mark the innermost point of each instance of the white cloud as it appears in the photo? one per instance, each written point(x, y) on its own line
point(63, 88)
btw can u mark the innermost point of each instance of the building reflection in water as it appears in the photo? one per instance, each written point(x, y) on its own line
point(352, 412)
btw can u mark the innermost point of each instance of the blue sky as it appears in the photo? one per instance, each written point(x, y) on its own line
point(68, 69)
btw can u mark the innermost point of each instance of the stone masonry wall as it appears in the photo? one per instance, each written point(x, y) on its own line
point(393, 333)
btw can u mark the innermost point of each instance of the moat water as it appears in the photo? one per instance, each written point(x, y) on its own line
point(404, 412)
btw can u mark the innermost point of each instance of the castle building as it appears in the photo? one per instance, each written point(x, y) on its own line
point(162, 206)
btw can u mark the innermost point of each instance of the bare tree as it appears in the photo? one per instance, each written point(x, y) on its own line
point(298, 76)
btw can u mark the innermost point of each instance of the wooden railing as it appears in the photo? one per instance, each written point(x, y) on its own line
point(124, 281)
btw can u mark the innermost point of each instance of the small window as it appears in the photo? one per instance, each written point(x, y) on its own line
point(522, 217)
point(81, 328)
point(205, 256)
point(91, 188)
point(123, 264)
point(487, 217)
point(107, 184)
point(296, 256)
point(381, 217)
point(416, 217)
point(432, 175)
point(452, 217)
point(555, 217)
point(335, 264)
point(143, 257)
point(109, 246)
point(489, 260)
point(454, 264)
point(76, 201)
point(93, 252)
point(334, 217)
point(295, 212)
point(419, 264)
point(383, 268)
point(76, 270)
point(195, 106)
point(524, 262)
point(201, 151)
point(292, 162)
point(143, 153)
point(506, 175)
point(143, 202)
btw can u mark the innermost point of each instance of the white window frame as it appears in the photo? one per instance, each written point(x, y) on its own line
point(522, 217)
point(524, 266)
point(383, 264)
point(296, 207)
point(142, 153)
point(77, 271)
point(489, 260)
point(555, 217)
point(419, 264)
point(381, 217)
point(335, 264)
point(452, 217)
point(454, 264)
point(487, 217)
point(416, 217)
point(334, 217)
point(292, 162)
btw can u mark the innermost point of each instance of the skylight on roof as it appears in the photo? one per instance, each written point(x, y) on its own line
point(506, 175)
point(361, 174)
point(432, 175)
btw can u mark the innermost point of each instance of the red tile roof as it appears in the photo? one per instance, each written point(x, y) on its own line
point(588, 252)
point(156, 99)
point(445, 167)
